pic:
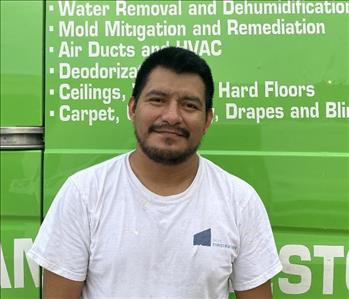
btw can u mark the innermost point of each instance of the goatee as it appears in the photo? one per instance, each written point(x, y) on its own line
point(166, 157)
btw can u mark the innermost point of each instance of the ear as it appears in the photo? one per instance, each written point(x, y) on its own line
point(132, 108)
point(209, 117)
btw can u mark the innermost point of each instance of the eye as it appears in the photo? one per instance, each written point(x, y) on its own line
point(156, 100)
point(190, 106)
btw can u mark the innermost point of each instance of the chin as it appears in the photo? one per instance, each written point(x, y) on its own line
point(167, 156)
point(168, 152)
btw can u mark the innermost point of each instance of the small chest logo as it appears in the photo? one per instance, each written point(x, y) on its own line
point(203, 238)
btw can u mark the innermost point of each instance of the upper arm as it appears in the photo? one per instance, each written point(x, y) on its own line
point(58, 287)
point(261, 292)
point(62, 245)
point(257, 260)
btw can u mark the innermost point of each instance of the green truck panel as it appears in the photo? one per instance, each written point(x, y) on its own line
point(20, 220)
point(298, 162)
point(22, 33)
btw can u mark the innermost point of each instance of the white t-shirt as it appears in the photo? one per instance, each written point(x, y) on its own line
point(107, 228)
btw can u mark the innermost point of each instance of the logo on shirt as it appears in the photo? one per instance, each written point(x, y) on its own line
point(204, 239)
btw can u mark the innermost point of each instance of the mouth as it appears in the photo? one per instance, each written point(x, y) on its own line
point(176, 133)
point(170, 130)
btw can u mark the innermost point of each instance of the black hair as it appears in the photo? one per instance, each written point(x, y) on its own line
point(180, 61)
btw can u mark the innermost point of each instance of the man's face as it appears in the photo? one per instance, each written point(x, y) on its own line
point(170, 116)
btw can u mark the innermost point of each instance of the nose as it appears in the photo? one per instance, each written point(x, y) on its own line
point(171, 113)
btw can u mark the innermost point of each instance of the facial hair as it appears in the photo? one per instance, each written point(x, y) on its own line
point(166, 157)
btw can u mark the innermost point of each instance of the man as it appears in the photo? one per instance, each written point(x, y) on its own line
point(161, 221)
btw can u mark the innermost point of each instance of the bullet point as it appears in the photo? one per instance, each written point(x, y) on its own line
point(52, 113)
point(52, 70)
point(50, 28)
point(52, 92)
point(51, 8)
point(51, 49)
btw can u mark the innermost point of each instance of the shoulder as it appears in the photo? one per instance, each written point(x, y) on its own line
point(99, 176)
point(237, 191)
point(111, 166)
point(221, 176)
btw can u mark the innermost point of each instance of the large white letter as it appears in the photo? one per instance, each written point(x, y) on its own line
point(328, 253)
point(303, 271)
point(64, 70)
point(228, 7)
point(120, 8)
point(347, 271)
point(231, 111)
point(21, 246)
point(4, 278)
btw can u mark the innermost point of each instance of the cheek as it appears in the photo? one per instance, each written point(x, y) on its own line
point(198, 127)
point(142, 122)
point(149, 115)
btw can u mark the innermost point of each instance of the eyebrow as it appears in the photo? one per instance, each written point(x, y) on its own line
point(155, 92)
point(160, 93)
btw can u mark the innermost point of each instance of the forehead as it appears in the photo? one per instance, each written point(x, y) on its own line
point(170, 82)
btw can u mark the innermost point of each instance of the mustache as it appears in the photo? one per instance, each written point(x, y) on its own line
point(180, 131)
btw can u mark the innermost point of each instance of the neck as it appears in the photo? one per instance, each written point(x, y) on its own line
point(163, 179)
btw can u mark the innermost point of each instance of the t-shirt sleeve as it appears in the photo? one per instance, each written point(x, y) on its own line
point(257, 259)
point(62, 244)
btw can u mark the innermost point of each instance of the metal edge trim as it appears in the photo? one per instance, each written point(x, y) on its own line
point(21, 130)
